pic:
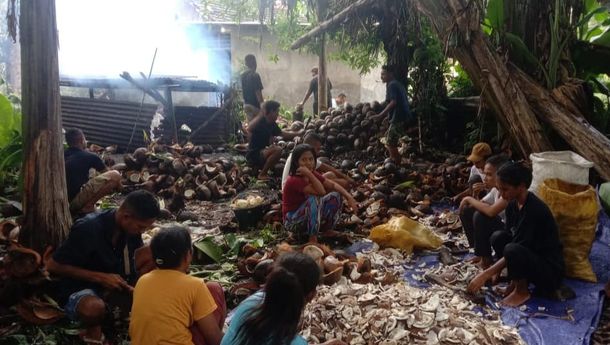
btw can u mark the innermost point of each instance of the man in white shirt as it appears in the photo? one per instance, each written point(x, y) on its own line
point(481, 218)
point(328, 171)
point(478, 157)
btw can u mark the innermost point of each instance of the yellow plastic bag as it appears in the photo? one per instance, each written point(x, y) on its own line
point(575, 210)
point(405, 233)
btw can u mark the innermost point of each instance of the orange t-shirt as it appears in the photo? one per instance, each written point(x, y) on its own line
point(165, 304)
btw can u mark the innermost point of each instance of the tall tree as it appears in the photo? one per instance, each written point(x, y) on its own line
point(518, 100)
point(45, 201)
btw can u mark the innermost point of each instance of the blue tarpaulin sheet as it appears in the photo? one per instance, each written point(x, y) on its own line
point(542, 321)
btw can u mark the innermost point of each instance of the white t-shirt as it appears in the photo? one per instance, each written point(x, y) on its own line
point(475, 171)
point(286, 171)
point(491, 198)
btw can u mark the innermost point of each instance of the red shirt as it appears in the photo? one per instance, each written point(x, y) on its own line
point(293, 195)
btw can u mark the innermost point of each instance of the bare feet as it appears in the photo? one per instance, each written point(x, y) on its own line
point(518, 296)
point(505, 291)
point(515, 299)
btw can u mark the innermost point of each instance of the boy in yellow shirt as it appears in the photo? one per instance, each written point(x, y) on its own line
point(171, 307)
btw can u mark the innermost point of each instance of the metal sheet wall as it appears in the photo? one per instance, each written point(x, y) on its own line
point(108, 122)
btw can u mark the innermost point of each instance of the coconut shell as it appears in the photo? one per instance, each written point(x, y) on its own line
point(21, 262)
point(333, 277)
point(213, 186)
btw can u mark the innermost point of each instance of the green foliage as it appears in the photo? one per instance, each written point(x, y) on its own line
point(458, 82)
point(11, 144)
point(210, 248)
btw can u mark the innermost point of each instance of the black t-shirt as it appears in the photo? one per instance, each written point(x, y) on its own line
point(250, 83)
point(535, 228)
point(78, 162)
point(261, 134)
point(397, 92)
point(313, 87)
point(89, 246)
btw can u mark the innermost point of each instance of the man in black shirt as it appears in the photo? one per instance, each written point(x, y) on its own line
point(83, 192)
point(397, 109)
point(252, 88)
point(529, 247)
point(313, 89)
point(99, 257)
point(261, 153)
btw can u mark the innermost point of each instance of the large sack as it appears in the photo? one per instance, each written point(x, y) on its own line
point(565, 165)
point(405, 233)
point(575, 210)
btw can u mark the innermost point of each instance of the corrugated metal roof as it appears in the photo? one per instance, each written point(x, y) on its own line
point(108, 122)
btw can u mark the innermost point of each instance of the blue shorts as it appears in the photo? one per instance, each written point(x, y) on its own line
point(72, 304)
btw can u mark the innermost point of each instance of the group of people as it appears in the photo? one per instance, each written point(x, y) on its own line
point(510, 227)
point(104, 260)
point(104, 255)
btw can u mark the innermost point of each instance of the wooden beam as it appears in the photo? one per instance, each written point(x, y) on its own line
point(332, 23)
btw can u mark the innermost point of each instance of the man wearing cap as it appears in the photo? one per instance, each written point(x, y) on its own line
point(478, 157)
point(313, 88)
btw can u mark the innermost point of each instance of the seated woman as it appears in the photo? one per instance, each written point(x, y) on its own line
point(171, 307)
point(272, 316)
point(529, 245)
point(482, 218)
point(308, 199)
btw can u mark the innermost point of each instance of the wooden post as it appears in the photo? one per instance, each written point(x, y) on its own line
point(47, 217)
point(322, 79)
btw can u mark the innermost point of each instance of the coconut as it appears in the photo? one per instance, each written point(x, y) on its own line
point(347, 164)
point(261, 270)
point(213, 186)
point(331, 263)
point(189, 194)
point(140, 154)
point(333, 277)
point(179, 166)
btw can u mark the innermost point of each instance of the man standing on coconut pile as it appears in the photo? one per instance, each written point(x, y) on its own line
point(328, 171)
point(83, 192)
point(313, 88)
point(397, 110)
point(261, 153)
point(97, 261)
point(252, 89)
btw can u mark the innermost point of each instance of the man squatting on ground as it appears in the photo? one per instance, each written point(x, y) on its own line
point(98, 259)
point(83, 192)
point(261, 153)
point(529, 246)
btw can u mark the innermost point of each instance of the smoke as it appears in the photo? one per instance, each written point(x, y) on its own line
point(101, 39)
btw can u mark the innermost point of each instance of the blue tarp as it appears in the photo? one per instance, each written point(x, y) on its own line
point(540, 323)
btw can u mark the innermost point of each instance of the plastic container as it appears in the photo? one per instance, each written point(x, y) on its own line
point(564, 165)
point(250, 216)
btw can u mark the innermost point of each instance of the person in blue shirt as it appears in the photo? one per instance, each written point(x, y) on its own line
point(397, 110)
point(272, 316)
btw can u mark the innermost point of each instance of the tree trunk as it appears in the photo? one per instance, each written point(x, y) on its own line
point(488, 71)
point(45, 202)
point(516, 99)
point(575, 130)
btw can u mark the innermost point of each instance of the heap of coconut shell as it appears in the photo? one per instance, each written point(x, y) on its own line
point(383, 188)
point(181, 173)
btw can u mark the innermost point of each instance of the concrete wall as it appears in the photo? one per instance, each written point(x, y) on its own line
point(371, 87)
point(287, 79)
